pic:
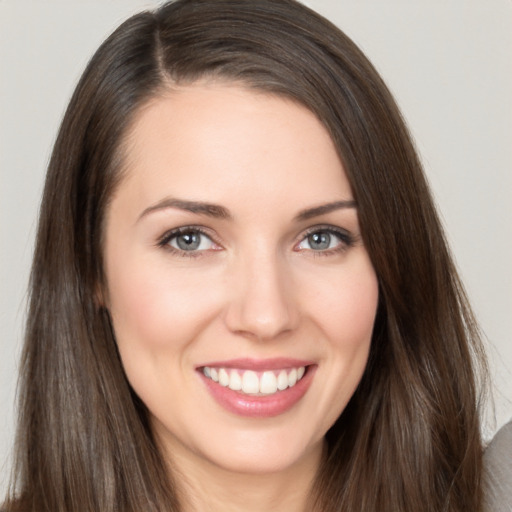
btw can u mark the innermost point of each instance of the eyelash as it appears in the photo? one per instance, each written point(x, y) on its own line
point(165, 239)
point(346, 240)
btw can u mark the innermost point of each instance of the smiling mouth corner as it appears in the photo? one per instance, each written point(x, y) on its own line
point(255, 383)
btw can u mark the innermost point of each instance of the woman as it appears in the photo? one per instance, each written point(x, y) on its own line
point(241, 290)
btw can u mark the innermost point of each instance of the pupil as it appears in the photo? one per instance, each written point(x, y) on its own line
point(188, 241)
point(319, 241)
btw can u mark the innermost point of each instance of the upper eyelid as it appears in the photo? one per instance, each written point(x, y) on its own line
point(324, 227)
point(171, 233)
point(347, 238)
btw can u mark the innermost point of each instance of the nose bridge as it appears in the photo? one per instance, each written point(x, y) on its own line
point(262, 303)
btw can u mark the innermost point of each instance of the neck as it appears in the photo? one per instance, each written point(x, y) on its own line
point(206, 487)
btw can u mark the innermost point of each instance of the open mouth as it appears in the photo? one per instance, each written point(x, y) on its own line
point(255, 383)
point(255, 388)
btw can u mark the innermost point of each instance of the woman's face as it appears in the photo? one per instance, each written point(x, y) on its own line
point(241, 294)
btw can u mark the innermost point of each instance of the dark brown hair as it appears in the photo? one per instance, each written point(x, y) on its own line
point(408, 440)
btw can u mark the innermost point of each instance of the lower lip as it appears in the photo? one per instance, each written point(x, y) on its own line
point(260, 406)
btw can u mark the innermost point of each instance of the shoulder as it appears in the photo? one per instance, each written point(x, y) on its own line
point(498, 471)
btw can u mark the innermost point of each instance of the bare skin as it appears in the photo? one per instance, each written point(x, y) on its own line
point(224, 491)
point(233, 247)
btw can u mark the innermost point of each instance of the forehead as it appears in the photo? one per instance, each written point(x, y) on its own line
point(218, 141)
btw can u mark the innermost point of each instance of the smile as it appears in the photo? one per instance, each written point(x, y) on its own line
point(255, 383)
point(258, 389)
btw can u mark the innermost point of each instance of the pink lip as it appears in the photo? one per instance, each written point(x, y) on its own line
point(259, 406)
point(256, 365)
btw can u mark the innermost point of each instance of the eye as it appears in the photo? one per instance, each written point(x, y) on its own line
point(187, 240)
point(325, 240)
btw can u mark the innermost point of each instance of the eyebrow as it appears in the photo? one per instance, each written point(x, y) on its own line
point(219, 212)
point(323, 209)
point(210, 210)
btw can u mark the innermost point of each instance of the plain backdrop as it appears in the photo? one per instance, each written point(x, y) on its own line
point(448, 64)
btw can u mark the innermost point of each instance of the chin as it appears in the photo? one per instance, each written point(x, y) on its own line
point(261, 453)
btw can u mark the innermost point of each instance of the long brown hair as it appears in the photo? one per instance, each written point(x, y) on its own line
point(410, 437)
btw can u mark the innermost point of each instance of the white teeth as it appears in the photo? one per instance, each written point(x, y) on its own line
point(235, 381)
point(252, 383)
point(282, 380)
point(292, 378)
point(268, 383)
point(223, 377)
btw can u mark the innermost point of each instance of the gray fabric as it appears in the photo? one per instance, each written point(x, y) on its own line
point(498, 472)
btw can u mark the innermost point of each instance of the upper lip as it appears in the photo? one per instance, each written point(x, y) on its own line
point(275, 363)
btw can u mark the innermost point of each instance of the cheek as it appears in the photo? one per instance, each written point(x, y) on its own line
point(155, 307)
point(157, 313)
point(345, 305)
point(344, 311)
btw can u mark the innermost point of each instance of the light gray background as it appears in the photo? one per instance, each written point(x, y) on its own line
point(449, 65)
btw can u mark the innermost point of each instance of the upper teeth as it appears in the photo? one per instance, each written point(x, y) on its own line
point(252, 383)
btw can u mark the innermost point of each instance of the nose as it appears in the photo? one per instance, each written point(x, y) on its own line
point(262, 303)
